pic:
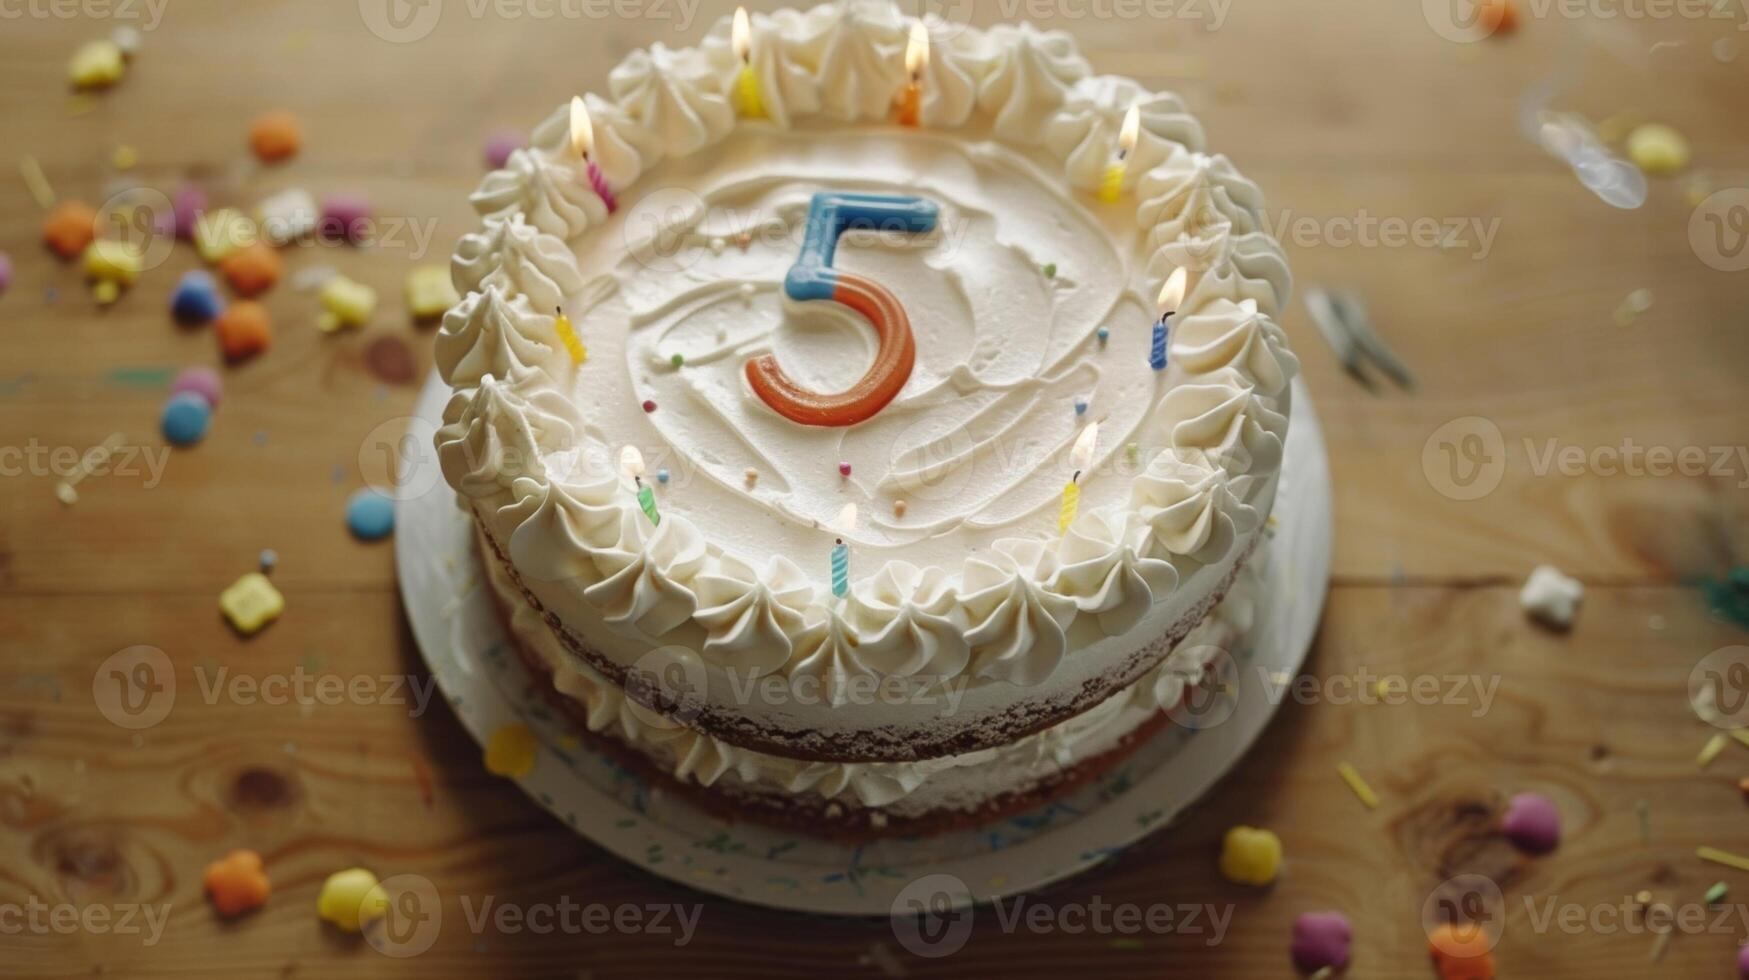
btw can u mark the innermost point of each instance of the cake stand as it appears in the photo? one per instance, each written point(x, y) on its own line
point(459, 634)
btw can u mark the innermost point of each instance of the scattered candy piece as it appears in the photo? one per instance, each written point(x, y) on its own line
point(236, 883)
point(124, 157)
point(1550, 597)
point(662, 477)
point(649, 406)
point(96, 64)
point(251, 603)
point(899, 508)
point(69, 228)
point(185, 418)
point(269, 560)
point(499, 146)
point(1104, 335)
point(108, 260)
point(275, 136)
point(126, 38)
point(370, 516)
point(1532, 823)
point(1743, 962)
point(844, 467)
point(1321, 941)
point(1461, 951)
point(287, 216)
point(1658, 149)
point(202, 381)
point(345, 216)
point(1080, 406)
point(430, 293)
point(351, 900)
point(186, 206)
point(347, 304)
point(106, 292)
point(1250, 856)
point(751, 476)
point(252, 270)
point(511, 752)
point(1497, 17)
point(218, 234)
point(1050, 270)
point(1357, 785)
point(678, 361)
point(244, 330)
point(5, 272)
point(1716, 893)
point(196, 299)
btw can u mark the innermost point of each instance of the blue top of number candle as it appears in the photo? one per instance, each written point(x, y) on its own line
point(830, 215)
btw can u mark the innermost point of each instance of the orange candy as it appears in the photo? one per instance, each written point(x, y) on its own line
point(275, 136)
point(69, 228)
point(1461, 951)
point(244, 330)
point(1497, 16)
point(252, 270)
point(237, 883)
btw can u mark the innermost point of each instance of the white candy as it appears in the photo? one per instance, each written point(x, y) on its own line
point(1550, 597)
point(127, 39)
point(288, 216)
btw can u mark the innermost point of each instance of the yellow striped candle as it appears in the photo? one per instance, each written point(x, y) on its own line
point(1079, 457)
point(1111, 185)
point(568, 337)
point(747, 98)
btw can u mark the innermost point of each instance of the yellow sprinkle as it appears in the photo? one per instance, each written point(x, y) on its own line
point(1657, 149)
point(124, 157)
point(1741, 735)
point(1725, 858)
point(511, 751)
point(1351, 776)
point(37, 182)
point(106, 291)
point(1658, 945)
point(1711, 750)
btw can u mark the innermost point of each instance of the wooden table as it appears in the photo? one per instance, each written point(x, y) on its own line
point(1341, 110)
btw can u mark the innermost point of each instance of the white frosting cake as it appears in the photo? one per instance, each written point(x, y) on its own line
point(1012, 300)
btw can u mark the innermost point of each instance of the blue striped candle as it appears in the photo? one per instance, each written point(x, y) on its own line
point(840, 569)
point(1157, 354)
point(1171, 295)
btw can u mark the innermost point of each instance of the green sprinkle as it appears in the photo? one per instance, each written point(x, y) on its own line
point(1127, 944)
point(1716, 893)
point(1644, 810)
point(677, 360)
point(1050, 270)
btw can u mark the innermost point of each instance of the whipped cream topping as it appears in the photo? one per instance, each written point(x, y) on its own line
point(974, 577)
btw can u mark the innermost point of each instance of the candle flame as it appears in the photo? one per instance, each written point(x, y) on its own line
point(582, 130)
point(1132, 130)
point(1172, 293)
point(741, 35)
point(1082, 454)
point(846, 521)
point(917, 52)
point(631, 462)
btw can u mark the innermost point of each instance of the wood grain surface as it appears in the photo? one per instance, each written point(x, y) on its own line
point(1342, 110)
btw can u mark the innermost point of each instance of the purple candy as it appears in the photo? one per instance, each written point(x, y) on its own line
point(1321, 939)
point(1743, 962)
point(5, 272)
point(345, 216)
point(186, 206)
point(501, 145)
point(203, 381)
point(1532, 823)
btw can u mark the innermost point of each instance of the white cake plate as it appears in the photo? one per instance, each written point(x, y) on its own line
point(459, 634)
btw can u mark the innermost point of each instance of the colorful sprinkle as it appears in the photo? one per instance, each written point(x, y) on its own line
point(236, 883)
point(5, 272)
point(275, 136)
point(251, 603)
point(1050, 270)
point(370, 516)
point(678, 360)
point(1532, 823)
point(844, 467)
point(662, 477)
point(185, 207)
point(96, 64)
point(512, 751)
point(1711, 750)
point(351, 899)
point(1104, 335)
point(649, 405)
point(269, 560)
point(1080, 406)
point(1716, 893)
point(751, 476)
point(1250, 856)
point(1351, 776)
point(185, 419)
point(1658, 149)
point(1725, 858)
point(900, 507)
point(124, 157)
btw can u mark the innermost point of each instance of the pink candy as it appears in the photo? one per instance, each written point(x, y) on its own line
point(1532, 823)
point(5, 272)
point(345, 216)
point(1321, 939)
point(186, 206)
point(1743, 962)
point(203, 381)
point(500, 146)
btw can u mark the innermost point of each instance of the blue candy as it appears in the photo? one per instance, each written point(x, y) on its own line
point(370, 516)
point(185, 418)
point(196, 299)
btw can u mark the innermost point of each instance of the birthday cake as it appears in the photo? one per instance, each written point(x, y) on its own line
point(867, 422)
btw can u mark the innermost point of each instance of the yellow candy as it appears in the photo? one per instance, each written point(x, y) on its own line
point(1658, 150)
point(1250, 856)
point(96, 64)
point(107, 260)
point(511, 751)
point(352, 899)
point(251, 603)
point(106, 292)
point(429, 291)
point(348, 304)
point(219, 233)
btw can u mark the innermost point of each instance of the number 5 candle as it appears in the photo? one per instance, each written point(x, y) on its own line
point(1079, 458)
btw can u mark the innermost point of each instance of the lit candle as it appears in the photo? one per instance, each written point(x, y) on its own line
point(841, 552)
point(916, 59)
point(583, 141)
point(568, 337)
point(1171, 295)
point(1079, 458)
point(1112, 186)
point(631, 463)
point(747, 82)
